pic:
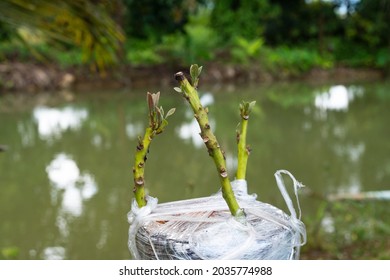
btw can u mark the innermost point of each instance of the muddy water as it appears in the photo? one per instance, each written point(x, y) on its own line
point(65, 172)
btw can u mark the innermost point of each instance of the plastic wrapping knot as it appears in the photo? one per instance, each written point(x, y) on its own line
point(203, 228)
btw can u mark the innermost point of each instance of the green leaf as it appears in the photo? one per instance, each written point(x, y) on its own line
point(199, 70)
point(194, 71)
point(170, 112)
point(251, 105)
point(161, 111)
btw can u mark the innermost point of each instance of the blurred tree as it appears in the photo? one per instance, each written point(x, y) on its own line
point(287, 26)
point(82, 23)
point(245, 18)
point(377, 27)
point(4, 32)
point(366, 39)
point(321, 24)
point(300, 22)
point(151, 19)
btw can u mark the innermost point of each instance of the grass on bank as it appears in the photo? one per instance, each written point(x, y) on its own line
point(182, 49)
point(355, 230)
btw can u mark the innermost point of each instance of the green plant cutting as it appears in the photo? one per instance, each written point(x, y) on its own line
point(203, 228)
point(157, 123)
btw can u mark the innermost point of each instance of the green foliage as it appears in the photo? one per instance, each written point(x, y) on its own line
point(153, 19)
point(293, 36)
point(244, 50)
point(301, 21)
point(5, 33)
point(140, 52)
point(9, 253)
point(245, 18)
point(366, 32)
point(62, 56)
point(195, 71)
point(354, 230)
point(246, 108)
point(200, 39)
point(294, 60)
point(200, 42)
point(383, 58)
point(352, 54)
point(157, 118)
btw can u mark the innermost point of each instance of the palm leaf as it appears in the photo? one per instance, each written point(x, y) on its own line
point(78, 22)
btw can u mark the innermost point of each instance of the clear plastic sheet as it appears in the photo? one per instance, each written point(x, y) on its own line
point(203, 228)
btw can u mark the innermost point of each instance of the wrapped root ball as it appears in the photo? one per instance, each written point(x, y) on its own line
point(204, 229)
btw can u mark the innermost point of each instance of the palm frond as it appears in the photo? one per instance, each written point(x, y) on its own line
point(78, 22)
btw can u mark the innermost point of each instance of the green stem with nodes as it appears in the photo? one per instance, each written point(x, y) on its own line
point(191, 95)
point(157, 123)
point(139, 166)
point(243, 149)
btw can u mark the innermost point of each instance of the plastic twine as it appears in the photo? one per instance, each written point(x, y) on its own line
point(296, 221)
point(135, 218)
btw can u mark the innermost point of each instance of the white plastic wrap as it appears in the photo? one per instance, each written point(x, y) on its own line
point(203, 228)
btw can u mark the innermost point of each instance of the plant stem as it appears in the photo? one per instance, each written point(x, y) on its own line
point(213, 148)
point(157, 123)
point(139, 166)
point(243, 151)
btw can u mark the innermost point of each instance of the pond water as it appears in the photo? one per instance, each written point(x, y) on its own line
point(66, 169)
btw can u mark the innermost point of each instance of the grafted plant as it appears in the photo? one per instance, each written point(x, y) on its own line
point(190, 93)
point(157, 123)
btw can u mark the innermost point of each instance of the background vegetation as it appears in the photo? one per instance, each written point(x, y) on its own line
point(293, 36)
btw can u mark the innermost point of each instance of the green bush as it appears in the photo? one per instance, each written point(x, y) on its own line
point(65, 57)
point(201, 43)
point(294, 60)
point(197, 44)
point(243, 50)
point(142, 53)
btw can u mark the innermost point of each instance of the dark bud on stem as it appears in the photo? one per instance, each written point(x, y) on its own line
point(179, 76)
point(139, 181)
point(223, 172)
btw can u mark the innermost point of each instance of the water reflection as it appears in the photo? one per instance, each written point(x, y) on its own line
point(54, 253)
point(52, 122)
point(207, 99)
point(133, 130)
point(74, 186)
point(190, 130)
point(333, 139)
point(337, 98)
point(70, 189)
point(339, 130)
